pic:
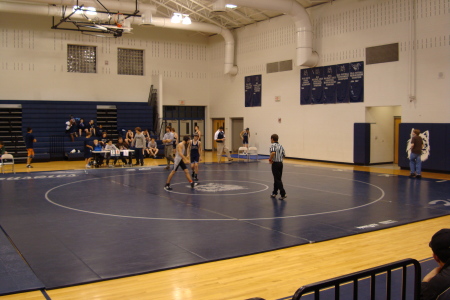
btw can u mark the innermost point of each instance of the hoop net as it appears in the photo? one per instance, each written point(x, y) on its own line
point(118, 19)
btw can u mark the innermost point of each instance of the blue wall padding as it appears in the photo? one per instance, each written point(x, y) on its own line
point(361, 143)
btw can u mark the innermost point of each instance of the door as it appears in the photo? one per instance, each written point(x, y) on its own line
point(216, 124)
point(237, 127)
point(185, 129)
point(397, 121)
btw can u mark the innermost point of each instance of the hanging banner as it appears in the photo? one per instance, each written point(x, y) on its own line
point(356, 81)
point(253, 90)
point(317, 85)
point(305, 86)
point(342, 83)
point(329, 84)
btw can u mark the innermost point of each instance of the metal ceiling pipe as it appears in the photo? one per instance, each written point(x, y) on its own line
point(51, 10)
point(305, 54)
point(119, 6)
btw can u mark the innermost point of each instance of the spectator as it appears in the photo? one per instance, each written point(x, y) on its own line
point(175, 140)
point(104, 139)
point(99, 130)
point(197, 131)
point(2, 149)
point(168, 146)
point(82, 127)
point(98, 157)
point(29, 140)
point(88, 147)
point(71, 128)
point(110, 146)
point(91, 127)
point(139, 145)
point(129, 136)
point(152, 148)
point(122, 145)
point(146, 135)
point(437, 282)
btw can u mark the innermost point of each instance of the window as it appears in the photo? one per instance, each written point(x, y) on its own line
point(81, 59)
point(130, 62)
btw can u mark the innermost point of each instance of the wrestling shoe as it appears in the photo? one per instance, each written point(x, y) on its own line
point(418, 176)
point(283, 197)
point(273, 195)
point(167, 188)
point(29, 166)
point(193, 184)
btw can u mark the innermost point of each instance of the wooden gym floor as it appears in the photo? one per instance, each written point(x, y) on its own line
point(272, 275)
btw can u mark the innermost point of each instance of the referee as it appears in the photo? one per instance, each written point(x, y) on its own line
point(276, 160)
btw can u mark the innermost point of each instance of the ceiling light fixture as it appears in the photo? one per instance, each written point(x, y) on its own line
point(181, 18)
point(186, 20)
point(230, 6)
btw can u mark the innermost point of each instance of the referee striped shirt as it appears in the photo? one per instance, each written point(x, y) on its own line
point(279, 152)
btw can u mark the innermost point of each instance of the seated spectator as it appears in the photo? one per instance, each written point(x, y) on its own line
point(2, 149)
point(98, 157)
point(91, 127)
point(152, 148)
point(109, 146)
point(88, 147)
point(104, 138)
point(146, 135)
point(71, 128)
point(129, 136)
point(99, 130)
point(82, 127)
point(122, 145)
point(437, 282)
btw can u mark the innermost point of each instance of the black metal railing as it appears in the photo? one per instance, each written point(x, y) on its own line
point(366, 274)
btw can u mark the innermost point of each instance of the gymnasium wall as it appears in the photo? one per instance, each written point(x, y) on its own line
point(342, 30)
point(34, 63)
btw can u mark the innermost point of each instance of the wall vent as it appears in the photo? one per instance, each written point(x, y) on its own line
point(279, 66)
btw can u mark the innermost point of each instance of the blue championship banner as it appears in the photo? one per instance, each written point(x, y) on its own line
point(317, 85)
point(356, 82)
point(341, 83)
point(305, 86)
point(253, 90)
point(329, 84)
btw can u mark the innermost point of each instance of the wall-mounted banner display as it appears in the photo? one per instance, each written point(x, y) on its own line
point(356, 81)
point(253, 90)
point(305, 87)
point(341, 83)
point(317, 85)
point(329, 84)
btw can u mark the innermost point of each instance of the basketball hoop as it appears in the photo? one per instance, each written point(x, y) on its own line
point(118, 19)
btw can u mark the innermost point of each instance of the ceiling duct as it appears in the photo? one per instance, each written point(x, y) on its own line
point(303, 28)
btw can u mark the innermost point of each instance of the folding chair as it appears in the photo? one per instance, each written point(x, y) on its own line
point(254, 151)
point(242, 151)
point(7, 159)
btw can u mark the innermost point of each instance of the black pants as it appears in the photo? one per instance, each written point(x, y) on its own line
point(139, 155)
point(277, 171)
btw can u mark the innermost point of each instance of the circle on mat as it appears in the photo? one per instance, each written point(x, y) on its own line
point(224, 187)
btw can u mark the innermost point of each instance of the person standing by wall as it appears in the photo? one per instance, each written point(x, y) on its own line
point(168, 146)
point(415, 161)
point(139, 145)
point(29, 141)
point(219, 137)
point(245, 136)
point(276, 160)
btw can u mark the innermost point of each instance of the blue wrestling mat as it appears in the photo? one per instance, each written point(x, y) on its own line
point(75, 227)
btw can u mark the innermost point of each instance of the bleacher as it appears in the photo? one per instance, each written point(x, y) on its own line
point(48, 118)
